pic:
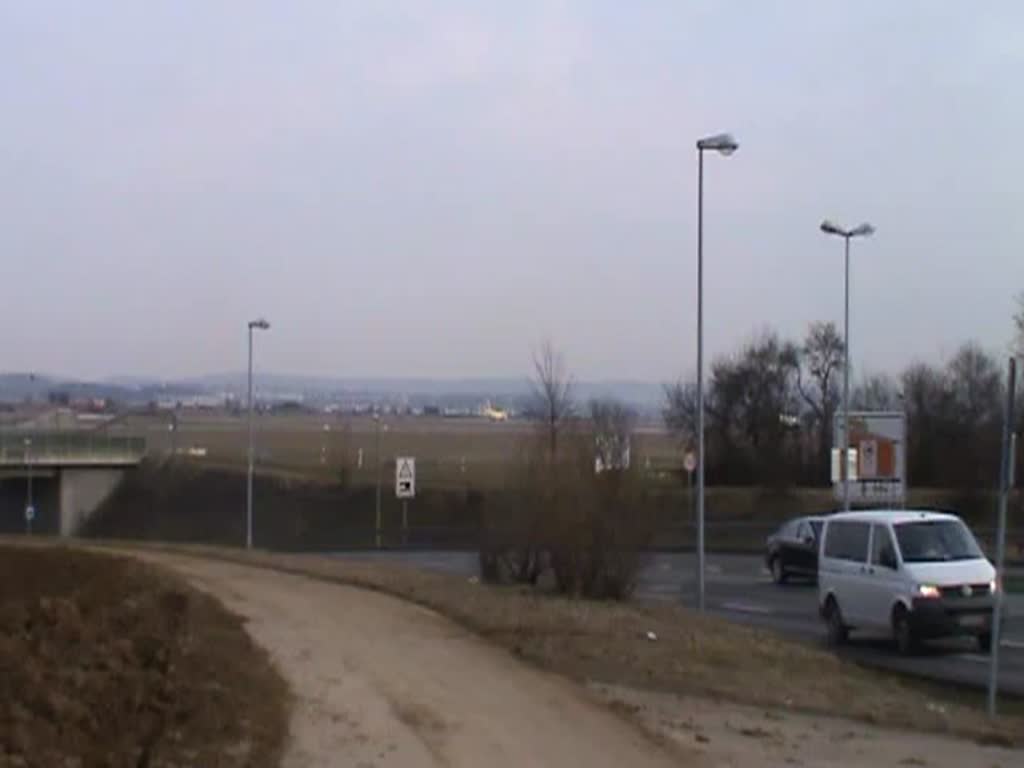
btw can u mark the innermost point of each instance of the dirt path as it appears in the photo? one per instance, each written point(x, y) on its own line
point(380, 683)
point(751, 737)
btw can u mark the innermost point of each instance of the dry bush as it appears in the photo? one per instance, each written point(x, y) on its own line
point(512, 535)
point(582, 528)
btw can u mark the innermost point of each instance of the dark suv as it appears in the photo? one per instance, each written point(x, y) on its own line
point(793, 549)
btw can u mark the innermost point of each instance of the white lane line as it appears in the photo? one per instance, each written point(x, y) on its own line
point(975, 657)
point(1018, 644)
point(747, 608)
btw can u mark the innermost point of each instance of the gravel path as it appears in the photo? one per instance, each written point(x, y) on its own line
point(380, 683)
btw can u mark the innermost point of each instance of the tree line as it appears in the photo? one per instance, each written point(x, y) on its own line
point(770, 406)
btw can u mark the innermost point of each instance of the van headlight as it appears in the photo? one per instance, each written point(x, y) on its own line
point(993, 587)
point(928, 590)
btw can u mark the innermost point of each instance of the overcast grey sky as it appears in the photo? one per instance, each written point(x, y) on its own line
point(430, 188)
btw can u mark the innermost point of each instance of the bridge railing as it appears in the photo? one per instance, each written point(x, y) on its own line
point(41, 448)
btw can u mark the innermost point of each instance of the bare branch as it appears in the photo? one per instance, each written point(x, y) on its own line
point(553, 392)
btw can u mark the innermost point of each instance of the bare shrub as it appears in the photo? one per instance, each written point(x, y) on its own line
point(582, 527)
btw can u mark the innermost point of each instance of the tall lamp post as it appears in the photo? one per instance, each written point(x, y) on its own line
point(261, 325)
point(378, 538)
point(723, 144)
point(862, 230)
point(29, 506)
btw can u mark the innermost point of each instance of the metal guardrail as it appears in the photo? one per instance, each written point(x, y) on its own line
point(49, 448)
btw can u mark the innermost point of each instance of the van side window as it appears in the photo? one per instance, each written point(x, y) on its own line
point(847, 540)
point(883, 551)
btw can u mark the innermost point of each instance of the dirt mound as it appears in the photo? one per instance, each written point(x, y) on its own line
point(107, 662)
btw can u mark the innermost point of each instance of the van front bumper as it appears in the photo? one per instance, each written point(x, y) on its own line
point(947, 616)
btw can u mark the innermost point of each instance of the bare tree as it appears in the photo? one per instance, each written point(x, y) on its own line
point(877, 392)
point(680, 411)
point(1018, 327)
point(553, 392)
point(821, 356)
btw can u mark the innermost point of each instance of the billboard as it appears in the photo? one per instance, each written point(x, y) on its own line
point(877, 463)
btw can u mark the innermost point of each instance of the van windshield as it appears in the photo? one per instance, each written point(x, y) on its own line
point(936, 541)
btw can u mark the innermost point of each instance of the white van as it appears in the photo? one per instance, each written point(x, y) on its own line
point(914, 574)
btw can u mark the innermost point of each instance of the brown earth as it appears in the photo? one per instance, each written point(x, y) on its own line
point(105, 661)
point(380, 682)
point(691, 655)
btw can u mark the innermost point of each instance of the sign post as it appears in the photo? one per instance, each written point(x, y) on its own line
point(690, 464)
point(405, 489)
point(30, 515)
point(1005, 473)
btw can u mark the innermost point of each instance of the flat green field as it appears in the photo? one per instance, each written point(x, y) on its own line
point(448, 452)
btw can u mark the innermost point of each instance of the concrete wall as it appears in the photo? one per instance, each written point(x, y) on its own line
point(81, 492)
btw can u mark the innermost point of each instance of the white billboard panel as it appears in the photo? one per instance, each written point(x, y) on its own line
point(878, 461)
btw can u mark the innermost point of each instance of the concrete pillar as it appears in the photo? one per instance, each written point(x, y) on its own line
point(81, 492)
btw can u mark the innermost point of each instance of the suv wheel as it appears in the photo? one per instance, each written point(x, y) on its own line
point(903, 633)
point(779, 574)
point(838, 632)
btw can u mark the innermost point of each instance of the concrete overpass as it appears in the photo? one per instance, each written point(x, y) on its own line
point(70, 473)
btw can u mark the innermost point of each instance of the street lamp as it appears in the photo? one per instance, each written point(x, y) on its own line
point(29, 507)
point(723, 144)
point(862, 230)
point(376, 457)
point(261, 325)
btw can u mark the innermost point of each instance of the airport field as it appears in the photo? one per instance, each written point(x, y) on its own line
point(325, 466)
point(450, 452)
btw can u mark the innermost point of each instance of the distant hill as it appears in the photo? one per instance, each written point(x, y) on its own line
point(140, 389)
point(17, 387)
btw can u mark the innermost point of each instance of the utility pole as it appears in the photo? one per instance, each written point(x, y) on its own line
point(1005, 473)
point(262, 325)
point(30, 511)
point(376, 457)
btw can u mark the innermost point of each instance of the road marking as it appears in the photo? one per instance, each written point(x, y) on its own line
point(1018, 644)
point(747, 608)
point(975, 657)
point(714, 568)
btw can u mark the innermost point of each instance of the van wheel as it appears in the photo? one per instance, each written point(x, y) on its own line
point(779, 574)
point(985, 642)
point(903, 635)
point(837, 632)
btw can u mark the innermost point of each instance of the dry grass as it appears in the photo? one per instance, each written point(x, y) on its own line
point(108, 661)
point(695, 655)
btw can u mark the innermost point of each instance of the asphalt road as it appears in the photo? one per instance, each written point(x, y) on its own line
point(740, 589)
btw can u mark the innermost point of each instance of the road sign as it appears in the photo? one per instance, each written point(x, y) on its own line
point(611, 452)
point(405, 477)
point(690, 461)
point(877, 463)
point(30, 513)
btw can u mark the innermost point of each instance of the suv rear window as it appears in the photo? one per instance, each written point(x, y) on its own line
point(847, 540)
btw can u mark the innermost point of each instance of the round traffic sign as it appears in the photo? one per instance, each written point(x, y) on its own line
point(690, 461)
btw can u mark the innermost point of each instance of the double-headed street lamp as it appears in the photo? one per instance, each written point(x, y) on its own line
point(261, 325)
point(863, 230)
point(724, 144)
